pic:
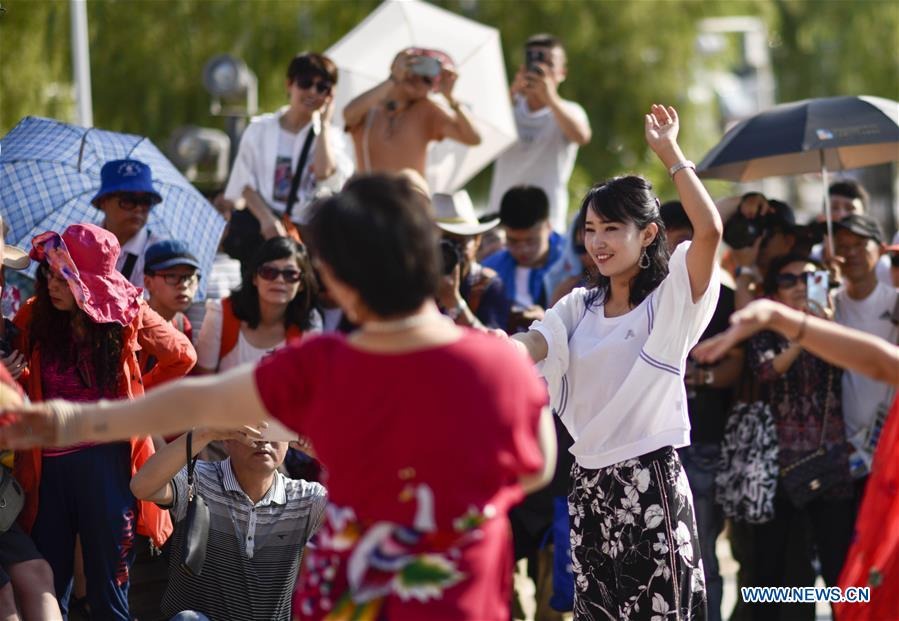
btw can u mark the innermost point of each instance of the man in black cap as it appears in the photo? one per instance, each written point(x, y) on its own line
point(868, 304)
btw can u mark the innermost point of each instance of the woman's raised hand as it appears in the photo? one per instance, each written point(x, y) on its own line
point(662, 126)
point(744, 323)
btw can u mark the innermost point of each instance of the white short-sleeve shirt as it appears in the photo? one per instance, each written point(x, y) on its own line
point(617, 383)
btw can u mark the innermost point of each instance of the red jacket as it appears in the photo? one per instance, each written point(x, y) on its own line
point(175, 357)
point(873, 557)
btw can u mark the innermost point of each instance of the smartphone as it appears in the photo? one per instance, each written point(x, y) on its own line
point(817, 288)
point(532, 56)
point(426, 66)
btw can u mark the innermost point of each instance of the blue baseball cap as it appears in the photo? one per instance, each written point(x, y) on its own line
point(126, 176)
point(169, 253)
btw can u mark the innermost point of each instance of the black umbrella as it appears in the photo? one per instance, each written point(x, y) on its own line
point(829, 133)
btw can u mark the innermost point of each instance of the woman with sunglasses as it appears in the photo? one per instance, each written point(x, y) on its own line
point(80, 334)
point(273, 305)
point(804, 393)
point(273, 148)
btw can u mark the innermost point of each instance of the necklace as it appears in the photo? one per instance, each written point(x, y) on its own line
point(400, 325)
point(393, 114)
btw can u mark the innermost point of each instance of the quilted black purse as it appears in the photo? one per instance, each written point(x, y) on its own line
point(196, 524)
point(809, 477)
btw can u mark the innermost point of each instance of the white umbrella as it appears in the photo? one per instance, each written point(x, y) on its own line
point(364, 55)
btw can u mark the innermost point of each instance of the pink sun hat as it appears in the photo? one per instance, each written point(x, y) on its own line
point(85, 255)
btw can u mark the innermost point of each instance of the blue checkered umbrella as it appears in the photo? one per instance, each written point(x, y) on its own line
point(49, 171)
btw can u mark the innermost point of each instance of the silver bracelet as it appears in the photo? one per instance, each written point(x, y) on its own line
point(680, 166)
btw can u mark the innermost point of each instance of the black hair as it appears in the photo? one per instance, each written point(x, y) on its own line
point(52, 330)
point(245, 299)
point(850, 188)
point(312, 64)
point(769, 283)
point(544, 40)
point(378, 237)
point(523, 207)
point(629, 199)
point(675, 216)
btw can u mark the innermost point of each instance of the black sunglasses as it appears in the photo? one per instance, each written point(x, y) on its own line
point(267, 272)
point(130, 202)
point(788, 281)
point(322, 86)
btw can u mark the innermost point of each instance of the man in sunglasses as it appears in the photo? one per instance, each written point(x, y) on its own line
point(126, 197)
point(286, 158)
point(393, 123)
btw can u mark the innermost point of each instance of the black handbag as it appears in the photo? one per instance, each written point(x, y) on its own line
point(196, 524)
point(809, 477)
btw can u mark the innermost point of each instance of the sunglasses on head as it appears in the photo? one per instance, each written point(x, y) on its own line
point(130, 202)
point(266, 272)
point(788, 281)
point(322, 86)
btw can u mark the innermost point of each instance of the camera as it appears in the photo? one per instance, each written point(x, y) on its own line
point(742, 232)
point(532, 56)
point(426, 66)
point(451, 256)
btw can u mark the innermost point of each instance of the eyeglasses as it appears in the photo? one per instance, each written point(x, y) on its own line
point(788, 281)
point(174, 279)
point(266, 272)
point(130, 202)
point(322, 86)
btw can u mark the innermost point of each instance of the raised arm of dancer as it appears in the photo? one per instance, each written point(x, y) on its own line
point(662, 126)
point(838, 345)
point(226, 401)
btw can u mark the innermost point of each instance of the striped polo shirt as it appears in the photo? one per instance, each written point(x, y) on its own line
point(254, 550)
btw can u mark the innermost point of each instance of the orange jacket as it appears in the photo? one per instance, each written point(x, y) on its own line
point(175, 356)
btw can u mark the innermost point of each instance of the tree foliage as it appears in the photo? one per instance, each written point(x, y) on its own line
point(147, 57)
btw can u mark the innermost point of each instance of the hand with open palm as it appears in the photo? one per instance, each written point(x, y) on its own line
point(662, 126)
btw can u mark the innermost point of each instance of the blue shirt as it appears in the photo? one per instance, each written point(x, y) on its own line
point(505, 265)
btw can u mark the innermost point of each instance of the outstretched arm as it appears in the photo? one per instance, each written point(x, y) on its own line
point(662, 126)
point(838, 345)
point(226, 401)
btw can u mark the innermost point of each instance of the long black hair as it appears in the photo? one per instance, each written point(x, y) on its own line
point(245, 299)
point(628, 199)
point(54, 330)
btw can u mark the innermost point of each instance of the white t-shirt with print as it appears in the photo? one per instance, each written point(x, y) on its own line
point(862, 395)
point(542, 156)
point(617, 383)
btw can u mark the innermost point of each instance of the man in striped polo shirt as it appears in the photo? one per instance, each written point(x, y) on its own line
point(260, 521)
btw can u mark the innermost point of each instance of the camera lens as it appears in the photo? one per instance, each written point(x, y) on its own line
point(740, 232)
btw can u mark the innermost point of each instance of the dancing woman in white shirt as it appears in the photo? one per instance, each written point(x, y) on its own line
point(613, 355)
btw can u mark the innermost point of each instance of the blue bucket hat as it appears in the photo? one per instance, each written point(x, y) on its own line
point(126, 176)
point(169, 253)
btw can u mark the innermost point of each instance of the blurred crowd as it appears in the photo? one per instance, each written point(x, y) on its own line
point(111, 314)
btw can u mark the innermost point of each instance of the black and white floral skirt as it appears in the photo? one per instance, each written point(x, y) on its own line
point(635, 550)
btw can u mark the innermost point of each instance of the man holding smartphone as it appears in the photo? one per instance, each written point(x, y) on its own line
point(393, 123)
point(550, 130)
point(870, 305)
